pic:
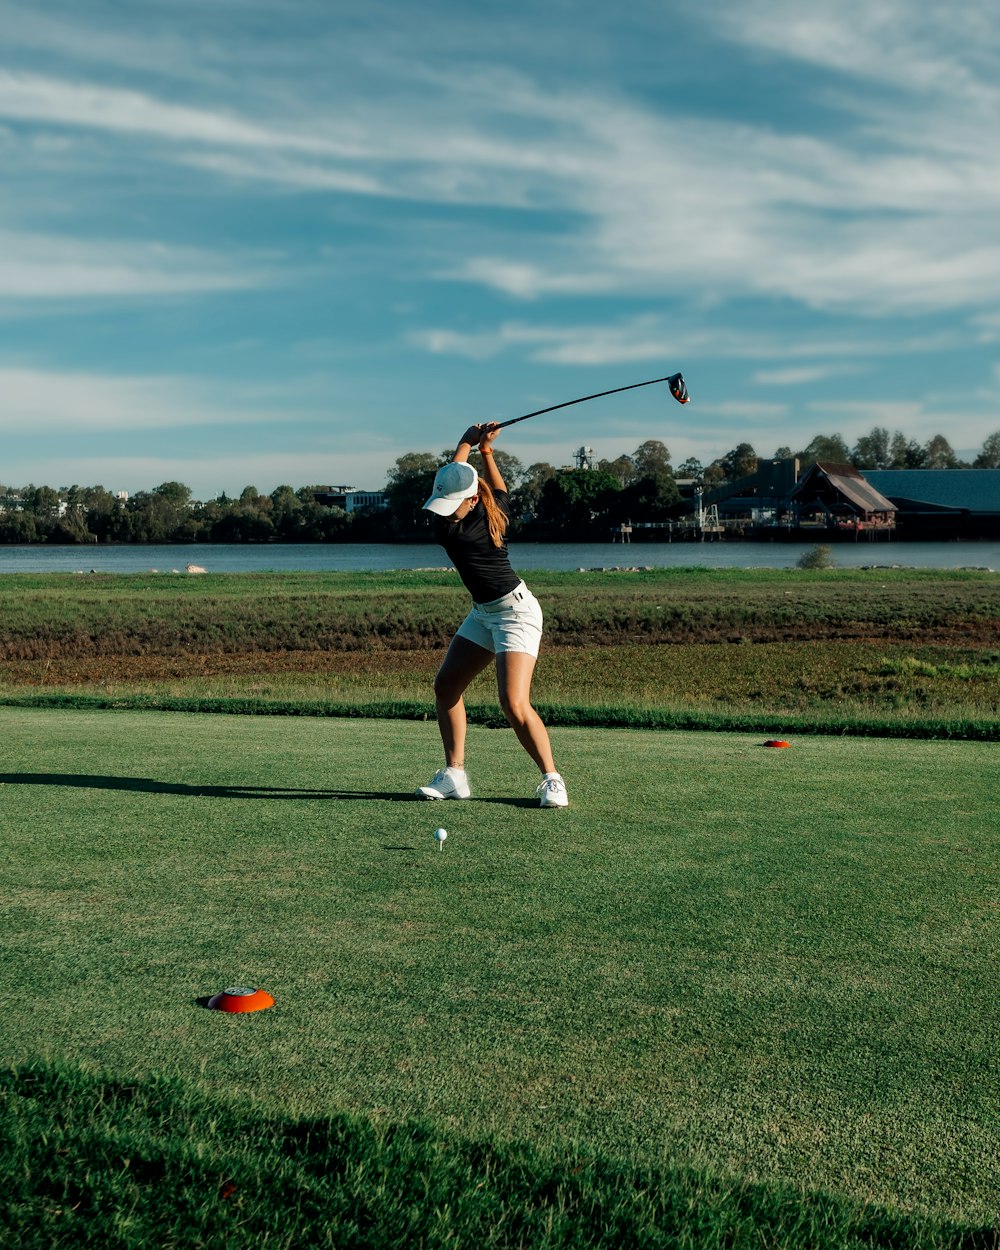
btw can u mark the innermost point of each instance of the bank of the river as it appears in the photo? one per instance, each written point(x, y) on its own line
point(912, 651)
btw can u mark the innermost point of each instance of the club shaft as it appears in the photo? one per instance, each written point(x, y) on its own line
point(583, 399)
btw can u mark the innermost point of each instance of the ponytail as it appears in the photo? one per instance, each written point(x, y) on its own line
point(495, 518)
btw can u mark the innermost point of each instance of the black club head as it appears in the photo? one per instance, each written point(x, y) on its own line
point(678, 388)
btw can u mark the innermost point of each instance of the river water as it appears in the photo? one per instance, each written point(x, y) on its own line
point(357, 557)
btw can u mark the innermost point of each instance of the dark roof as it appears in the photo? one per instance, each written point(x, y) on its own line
point(975, 489)
point(846, 479)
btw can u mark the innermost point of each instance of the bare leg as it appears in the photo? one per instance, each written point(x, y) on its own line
point(463, 662)
point(514, 673)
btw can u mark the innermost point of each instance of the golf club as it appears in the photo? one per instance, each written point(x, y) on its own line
point(678, 388)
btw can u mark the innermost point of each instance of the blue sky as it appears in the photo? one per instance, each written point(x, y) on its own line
point(247, 243)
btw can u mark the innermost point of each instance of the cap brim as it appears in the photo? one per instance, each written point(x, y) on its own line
point(443, 506)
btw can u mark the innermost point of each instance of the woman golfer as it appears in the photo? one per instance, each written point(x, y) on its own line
point(505, 624)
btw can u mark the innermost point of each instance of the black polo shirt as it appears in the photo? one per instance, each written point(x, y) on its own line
point(483, 568)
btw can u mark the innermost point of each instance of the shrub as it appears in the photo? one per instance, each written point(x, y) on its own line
point(818, 557)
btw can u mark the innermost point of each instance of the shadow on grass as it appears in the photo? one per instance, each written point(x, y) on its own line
point(148, 785)
point(225, 1175)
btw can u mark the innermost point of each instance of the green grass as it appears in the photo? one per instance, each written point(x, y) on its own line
point(53, 616)
point(874, 651)
point(111, 1164)
point(824, 686)
point(766, 968)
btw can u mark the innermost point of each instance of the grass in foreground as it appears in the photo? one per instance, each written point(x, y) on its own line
point(773, 966)
point(91, 1162)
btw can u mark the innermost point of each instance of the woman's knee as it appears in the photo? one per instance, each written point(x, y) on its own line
point(447, 689)
point(516, 708)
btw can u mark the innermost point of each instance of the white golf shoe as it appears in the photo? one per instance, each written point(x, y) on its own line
point(447, 783)
point(552, 792)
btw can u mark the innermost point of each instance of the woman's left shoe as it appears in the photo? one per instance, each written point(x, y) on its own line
point(447, 783)
point(552, 792)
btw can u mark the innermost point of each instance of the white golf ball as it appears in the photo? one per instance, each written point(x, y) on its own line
point(440, 834)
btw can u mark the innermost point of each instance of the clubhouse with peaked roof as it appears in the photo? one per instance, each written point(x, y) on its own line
point(838, 502)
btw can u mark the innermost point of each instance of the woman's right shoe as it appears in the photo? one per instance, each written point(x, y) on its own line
point(447, 783)
point(552, 792)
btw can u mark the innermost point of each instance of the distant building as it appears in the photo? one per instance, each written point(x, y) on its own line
point(837, 497)
point(942, 503)
point(755, 499)
point(350, 499)
point(838, 501)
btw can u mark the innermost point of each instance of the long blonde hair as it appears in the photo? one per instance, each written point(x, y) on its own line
point(495, 518)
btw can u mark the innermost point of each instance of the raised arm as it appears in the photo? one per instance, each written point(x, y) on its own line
point(483, 436)
point(491, 474)
point(466, 443)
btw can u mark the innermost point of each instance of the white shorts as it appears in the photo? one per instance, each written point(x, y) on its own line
point(511, 623)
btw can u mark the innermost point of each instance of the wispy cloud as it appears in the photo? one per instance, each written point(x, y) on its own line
point(882, 412)
point(802, 375)
point(964, 429)
point(916, 48)
point(639, 339)
point(653, 337)
point(528, 209)
point(745, 410)
point(213, 429)
point(856, 220)
point(195, 470)
point(284, 172)
point(84, 105)
point(398, 148)
point(68, 403)
point(46, 267)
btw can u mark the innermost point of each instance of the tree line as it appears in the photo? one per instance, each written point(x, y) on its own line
point(166, 514)
point(547, 503)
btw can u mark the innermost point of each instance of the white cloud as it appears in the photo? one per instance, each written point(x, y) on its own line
point(876, 197)
point(986, 327)
point(894, 216)
point(292, 174)
point(914, 47)
point(915, 419)
point(207, 477)
point(396, 148)
point(34, 267)
point(38, 401)
point(888, 217)
point(880, 412)
point(526, 280)
point(640, 339)
point(657, 338)
point(740, 410)
point(35, 98)
point(801, 375)
point(213, 433)
point(80, 36)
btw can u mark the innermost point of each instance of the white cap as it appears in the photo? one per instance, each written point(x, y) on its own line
point(455, 482)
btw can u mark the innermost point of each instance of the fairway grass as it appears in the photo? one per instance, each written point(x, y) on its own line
point(774, 966)
point(899, 688)
point(909, 653)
